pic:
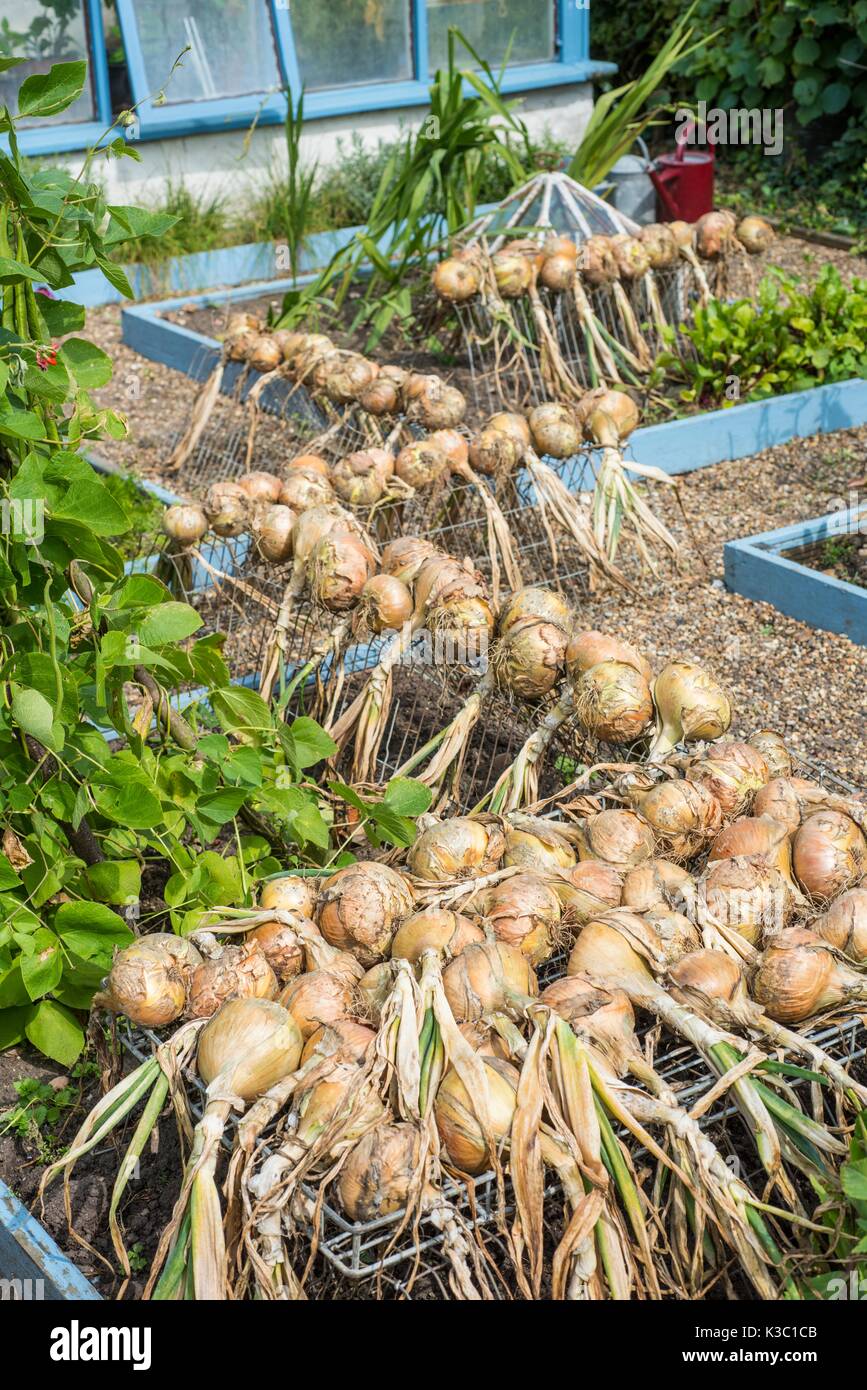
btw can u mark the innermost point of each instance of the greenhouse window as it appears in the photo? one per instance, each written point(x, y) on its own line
point(43, 32)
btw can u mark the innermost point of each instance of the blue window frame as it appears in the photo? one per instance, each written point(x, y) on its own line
point(244, 52)
point(86, 40)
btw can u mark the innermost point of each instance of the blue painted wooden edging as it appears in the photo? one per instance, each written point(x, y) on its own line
point(32, 1267)
point(757, 567)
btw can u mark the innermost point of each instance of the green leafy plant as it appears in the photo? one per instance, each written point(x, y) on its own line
point(390, 819)
point(789, 339)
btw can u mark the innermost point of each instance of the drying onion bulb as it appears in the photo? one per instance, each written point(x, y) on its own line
point(451, 443)
point(534, 601)
point(510, 423)
point(339, 567)
point(538, 848)
point(485, 979)
point(242, 322)
point(353, 1038)
point(385, 604)
point(434, 929)
point(682, 232)
point(798, 976)
point(460, 847)
point(513, 273)
point(351, 375)
point(304, 488)
point(560, 244)
point(360, 907)
point(264, 354)
point(632, 257)
point(361, 478)
point(185, 523)
point(290, 893)
point(774, 752)
point(380, 396)
point(713, 234)
point(620, 838)
point(612, 702)
point(251, 1044)
point(147, 982)
point(528, 659)
point(589, 888)
point(844, 925)
point(784, 798)
point(272, 529)
point(684, 816)
point(829, 854)
point(557, 273)
point(260, 487)
point(308, 463)
point(657, 883)
point(437, 405)
point(281, 948)
point(239, 345)
point(756, 835)
point(317, 998)
point(690, 705)
point(596, 261)
point(609, 417)
point(732, 772)
point(746, 894)
point(238, 972)
point(591, 648)
point(226, 508)
point(456, 280)
point(420, 464)
point(554, 430)
point(378, 1176)
point(495, 452)
point(457, 1121)
point(603, 1015)
point(524, 913)
point(755, 234)
point(659, 243)
point(405, 557)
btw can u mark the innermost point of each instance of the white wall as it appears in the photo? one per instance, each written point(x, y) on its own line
point(211, 163)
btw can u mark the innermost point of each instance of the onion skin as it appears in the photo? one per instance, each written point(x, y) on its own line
point(732, 772)
point(557, 273)
point(360, 907)
point(385, 604)
point(185, 523)
point(631, 256)
point(658, 241)
point(829, 854)
point(435, 929)
point(316, 999)
point(713, 234)
point(534, 601)
point(305, 488)
point(746, 894)
point(146, 984)
point(543, 850)
point(612, 419)
point(683, 815)
point(237, 972)
point(260, 487)
point(591, 887)
point(289, 894)
point(482, 980)
point(380, 396)
point(755, 235)
point(460, 847)
point(524, 913)
point(457, 1122)
point(451, 443)
point(273, 530)
point(844, 925)
point(798, 977)
point(280, 947)
point(264, 354)
point(513, 273)
point(420, 464)
point(308, 463)
point(527, 661)
point(782, 798)
point(774, 752)
point(620, 838)
point(456, 281)
point(605, 1016)
point(613, 702)
point(495, 453)
point(405, 557)
point(554, 430)
point(657, 883)
point(588, 649)
point(690, 705)
point(354, 1040)
point(340, 566)
point(361, 478)
point(377, 1177)
point(250, 1043)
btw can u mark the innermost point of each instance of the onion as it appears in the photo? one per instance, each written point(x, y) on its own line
point(675, 934)
point(489, 978)
point(360, 907)
point(597, 262)
point(616, 837)
point(281, 948)
point(829, 854)
point(226, 508)
point(405, 557)
point(385, 604)
point(513, 273)
point(774, 752)
point(434, 929)
point(452, 599)
point(657, 883)
point(319, 370)
point(611, 418)
point(631, 256)
point(732, 772)
point(591, 887)
point(844, 925)
point(353, 1040)
point(784, 798)
point(308, 463)
point(374, 990)
point(451, 443)
point(419, 464)
point(461, 847)
point(287, 341)
point(457, 1120)
point(528, 660)
point(272, 529)
point(361, 478)
point(559, 244)
point(456, 280)
point(148, 981)
point(604, 1016)
point(554, 430)
point(317, 998)
point(250, 1044)
point(510, 423)
point(288, 894)
point(260, 487)
point(185, 523)
point(242, 322)
point(485, 1040)
point(713, 234)
point(746, 894)
point(612, 702)
point(238, 346)
point(755, 234)
point(798, 976)
point(540, 848)
point(682, 232)
point(756, 835)
point(525, 913)
point(438, 406)
point(316, 523)
point(380, 1172)
point(380, 396)
point(684, 816)
point(352, 375)
point(707, 978)
point(658, 241)
point(494, 452)
point(558, 272)
point(339, 567)
point(238, 972)
point(265, 355)
point(533, 601)
point(591, 648)
point(690, 705)
point(305, 488)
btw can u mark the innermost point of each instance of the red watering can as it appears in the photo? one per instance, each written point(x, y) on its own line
point(684, 181)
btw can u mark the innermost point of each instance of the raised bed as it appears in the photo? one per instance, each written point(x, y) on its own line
point(32, 1268)
point(769, 568)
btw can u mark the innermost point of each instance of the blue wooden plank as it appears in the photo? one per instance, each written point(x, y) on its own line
point(29, 1255)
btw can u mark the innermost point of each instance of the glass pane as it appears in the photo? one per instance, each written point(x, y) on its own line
point(232, 50)
point(489, 24)
point(351, 42)
point(44, 34)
